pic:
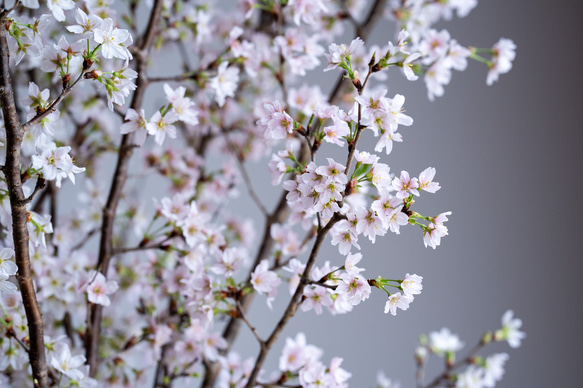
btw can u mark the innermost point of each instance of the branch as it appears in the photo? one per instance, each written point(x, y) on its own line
point(40, 184)
point(7, 11)
point(293, 303)
point(14, 137)
point(449, 368)
point(363, 30)
point(94, 315)
point(53, 107)
point(246, 178)
point(241, 315)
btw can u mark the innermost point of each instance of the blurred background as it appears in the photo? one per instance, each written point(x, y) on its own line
point(509, 162)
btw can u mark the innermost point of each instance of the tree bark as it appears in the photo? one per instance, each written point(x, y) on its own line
point(11, 169)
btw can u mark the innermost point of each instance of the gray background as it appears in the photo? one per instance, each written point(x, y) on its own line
point(508, 161)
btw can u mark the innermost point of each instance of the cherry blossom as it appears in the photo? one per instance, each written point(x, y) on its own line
point(113, 41)
point(265, 281)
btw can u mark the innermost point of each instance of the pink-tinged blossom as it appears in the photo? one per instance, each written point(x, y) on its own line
point(182, 106)
point(381, 177)
point(426, 180)
point(56, 163)
point(58, 8)
point(160, 126)
point(195, 230)
point(316, 298)
point(265, 281)
point(306, 98)
point(62, 56)
point(404, 185)
point(432, 236)
point(114, 41)
point(365, 157)
point(463, 7)
point(86, 24)
point(434, 46)
point(472, 377)
point(64, 362)
point(350, 264)
point(388, 135)
point(307, 11)
point(334, 133)
point(384, 382)
point(334, 171)
point(444, 341)
point(396, 115)
point(38, 227)
point(99, 289)
point(355, 288)
point(297, 353)
point(339, 375)
point(369, 224)
point(494, 369)
point(397, 300)
point(277, 169)
point(225, 82)
point(411, 285)
point(338, 54)
point(136, 122)
point(457, 55)
point(36, 98)
point(345, 237)
point(438, 75)
point(408, 66)
point(7, 266)
point(6, 287)
point(373, 106)
point(212, 344)
point(119, 86)
point(504, 54)
point(314, 375)
point(397, 219)
point(175, 209)
point(510, 330)
point(274, 121)
point(230, 261)
point(297, 269)
point(386, 206)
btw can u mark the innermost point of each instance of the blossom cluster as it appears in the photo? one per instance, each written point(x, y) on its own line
point(154, 261)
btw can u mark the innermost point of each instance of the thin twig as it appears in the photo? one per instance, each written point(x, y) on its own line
point(251, 327)
point(53, 107)
point(80, 244)
point(95, 312)
point(40, 184)
point(293, 303)
point(465, 360)
point(246, 177)
point(160, 245)
point(21, 344)
point(362, 31)
point(7, 11)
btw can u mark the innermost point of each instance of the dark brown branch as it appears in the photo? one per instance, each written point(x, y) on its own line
point(244, 174)
point(293, 303)
point(251, 327)
point(95, 312)
point(12, 167)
